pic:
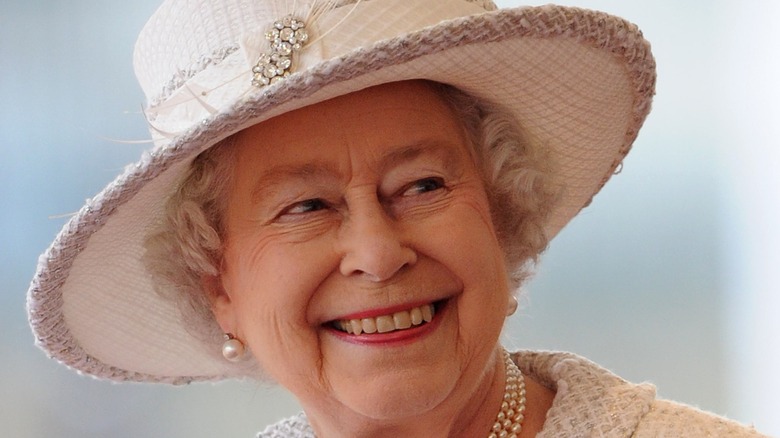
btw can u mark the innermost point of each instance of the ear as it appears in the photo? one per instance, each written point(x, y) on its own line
point(221, 304)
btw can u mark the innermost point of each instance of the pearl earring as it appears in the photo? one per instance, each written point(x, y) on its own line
point(511, 307)
point(232, 348)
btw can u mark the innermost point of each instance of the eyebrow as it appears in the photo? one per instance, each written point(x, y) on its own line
point(266, 184)
point(442, 150)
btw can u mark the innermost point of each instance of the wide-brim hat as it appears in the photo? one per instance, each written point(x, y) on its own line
point(579, 81)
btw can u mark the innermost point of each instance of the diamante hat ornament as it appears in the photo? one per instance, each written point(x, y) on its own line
point(287, 36)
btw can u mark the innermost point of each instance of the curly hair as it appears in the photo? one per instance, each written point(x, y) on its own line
point(516, 171)
point(188, 243)
point(518, 175)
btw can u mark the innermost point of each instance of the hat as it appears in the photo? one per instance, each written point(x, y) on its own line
point(579, 81)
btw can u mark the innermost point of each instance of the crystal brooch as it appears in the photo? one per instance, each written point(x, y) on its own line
point(287, 36)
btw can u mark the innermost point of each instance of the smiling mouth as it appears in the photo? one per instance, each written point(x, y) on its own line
point(405, 319)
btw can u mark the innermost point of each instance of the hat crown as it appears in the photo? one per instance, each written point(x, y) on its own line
point(184, 37)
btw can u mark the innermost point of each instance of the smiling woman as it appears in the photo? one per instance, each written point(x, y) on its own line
point(393, 228)
point(379, 202)
point(338, 203)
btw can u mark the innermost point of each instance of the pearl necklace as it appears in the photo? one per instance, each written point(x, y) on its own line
point(509, 420)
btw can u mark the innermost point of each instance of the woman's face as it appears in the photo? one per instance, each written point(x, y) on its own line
point(361, 265)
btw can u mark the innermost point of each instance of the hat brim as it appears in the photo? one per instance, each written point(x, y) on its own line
point(579, 81)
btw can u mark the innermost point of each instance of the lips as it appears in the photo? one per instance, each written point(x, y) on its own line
point(391, 322)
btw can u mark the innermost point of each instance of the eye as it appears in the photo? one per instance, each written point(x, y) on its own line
point(303, 207)
point(424, 185)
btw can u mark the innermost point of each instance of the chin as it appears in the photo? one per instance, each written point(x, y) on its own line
point(401, 397)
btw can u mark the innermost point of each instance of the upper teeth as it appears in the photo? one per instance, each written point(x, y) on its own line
point(387, 323)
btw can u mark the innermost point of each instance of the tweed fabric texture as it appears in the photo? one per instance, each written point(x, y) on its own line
point(579, 81)
point(590, 402)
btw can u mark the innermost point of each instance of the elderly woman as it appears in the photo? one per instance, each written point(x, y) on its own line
point(344, 198)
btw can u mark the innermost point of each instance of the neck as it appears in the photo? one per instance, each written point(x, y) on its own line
point(469, 411)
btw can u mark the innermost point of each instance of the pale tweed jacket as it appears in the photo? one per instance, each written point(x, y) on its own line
point(590, 402)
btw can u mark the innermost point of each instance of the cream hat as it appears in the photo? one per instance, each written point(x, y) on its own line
point(578, 80)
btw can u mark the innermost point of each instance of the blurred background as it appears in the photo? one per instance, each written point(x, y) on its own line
point(671, 276)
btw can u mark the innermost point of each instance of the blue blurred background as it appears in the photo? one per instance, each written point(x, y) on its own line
point(671, 276)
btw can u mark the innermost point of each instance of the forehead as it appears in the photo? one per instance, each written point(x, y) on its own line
point(386, 122)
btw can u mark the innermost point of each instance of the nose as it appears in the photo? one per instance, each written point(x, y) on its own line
point(372, 245)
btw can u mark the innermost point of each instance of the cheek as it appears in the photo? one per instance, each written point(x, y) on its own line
point(467, 238)
point(466, 242)
point(275, 275)
point(270, 291)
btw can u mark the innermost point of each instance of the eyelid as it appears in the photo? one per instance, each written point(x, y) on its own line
point(402, 177)
point(286, 213)
point(437, 179)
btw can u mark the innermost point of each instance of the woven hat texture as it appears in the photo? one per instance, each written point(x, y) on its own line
point(579, 81)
